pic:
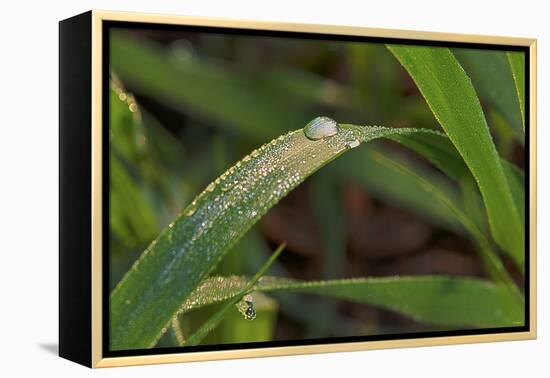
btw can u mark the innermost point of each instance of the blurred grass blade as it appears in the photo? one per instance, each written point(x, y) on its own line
point(131, 216)
point(148, 296)
point(491, 261)
point(452, 98)
point(516, 179)
point(394, 187)
point(439, 150)
point(492, 77)
point(203, 88)
point(213, 322)
point(517, 64)
point(330, 223)
point(442, 300)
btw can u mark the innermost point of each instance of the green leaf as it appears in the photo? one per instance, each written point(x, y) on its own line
point(147, 297)
point(439, 300)
point(213, 322)
point(492, 77)
point(452, 98)
point(517, 64)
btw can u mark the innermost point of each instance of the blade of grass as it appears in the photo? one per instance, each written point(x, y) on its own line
point(493, 264)
point(492, 77)
point(439, 150)
point(329, 220)
point(427, 191)
point(517, 64)
point(212, 323)
point(504, 135)
point(452, 98)
point(516, 178)
point(147, 297)
point(131, 216)
point(442, 300)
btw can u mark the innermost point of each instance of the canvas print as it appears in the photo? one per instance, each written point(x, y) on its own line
point(272, 188)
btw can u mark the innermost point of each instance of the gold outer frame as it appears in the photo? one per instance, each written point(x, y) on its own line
point(97, 354)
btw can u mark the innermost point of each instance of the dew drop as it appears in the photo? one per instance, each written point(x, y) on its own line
point(353, 143)
point(210, 187)
point(320, 127)
point(229, 185)
point(246, 307)
point(250, 313)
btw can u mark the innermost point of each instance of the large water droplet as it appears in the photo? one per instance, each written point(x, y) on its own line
point(321, 127)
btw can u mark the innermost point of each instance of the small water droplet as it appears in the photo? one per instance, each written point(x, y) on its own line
point(250, 313)
point(320, 127)
point(246, 307)
point(229, 185)
point(353, 143)
point(210, 187)
point(182, 49)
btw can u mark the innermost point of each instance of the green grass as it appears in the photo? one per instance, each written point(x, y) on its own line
point(183, 281)
point(450, 94)
point(460, 301)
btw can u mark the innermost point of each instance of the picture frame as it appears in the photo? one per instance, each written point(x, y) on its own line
point(86, 79)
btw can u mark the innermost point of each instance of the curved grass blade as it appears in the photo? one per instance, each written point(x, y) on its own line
point(452, 98)
point(440, 200)
point(516, 179)
point(213, 322)
point(492, 262)
point(147, 297)
point(438, 149)
point(517, 64)
point(492, 77)
point(127, 195)
point(441, 300)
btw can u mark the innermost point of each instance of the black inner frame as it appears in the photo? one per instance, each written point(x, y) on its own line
point(108, 25)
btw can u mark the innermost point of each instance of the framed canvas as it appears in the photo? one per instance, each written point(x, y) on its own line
point(235, 189)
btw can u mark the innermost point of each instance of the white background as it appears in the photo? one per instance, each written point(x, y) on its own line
point(29, 189)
